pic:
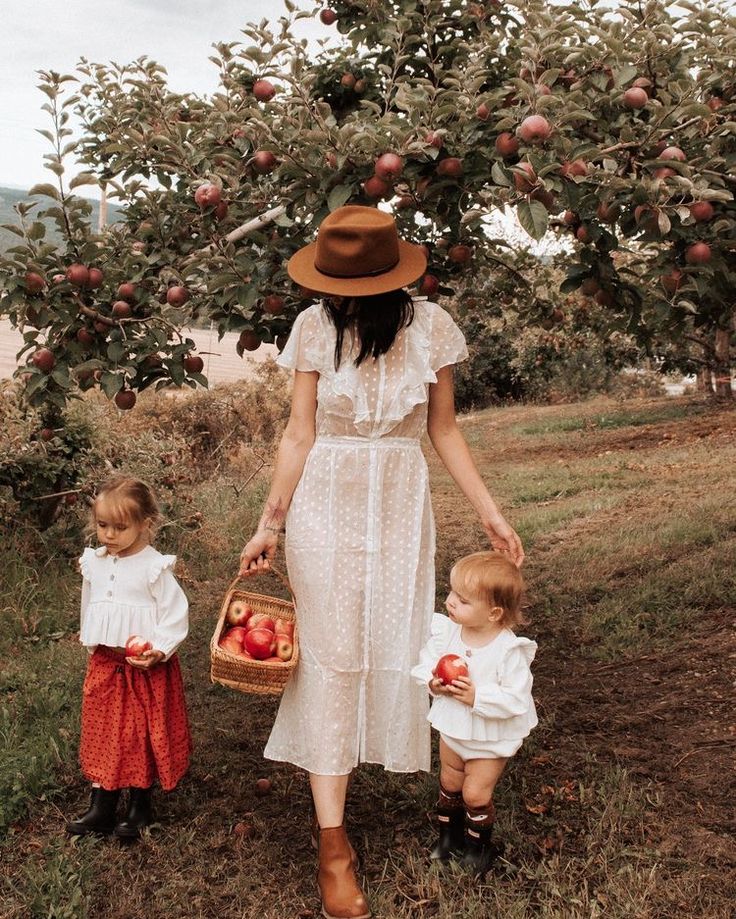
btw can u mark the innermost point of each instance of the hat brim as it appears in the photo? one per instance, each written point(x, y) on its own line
point(411, 266)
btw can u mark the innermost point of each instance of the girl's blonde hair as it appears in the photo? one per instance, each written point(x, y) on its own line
point(496, 581)
point(131, 500)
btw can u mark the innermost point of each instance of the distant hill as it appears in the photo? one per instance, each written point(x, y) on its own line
point(11, 196)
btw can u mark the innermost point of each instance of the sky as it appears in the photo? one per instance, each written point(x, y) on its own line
point(54, 34)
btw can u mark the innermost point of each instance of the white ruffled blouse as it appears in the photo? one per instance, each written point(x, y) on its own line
point(500, 671)
point(132, 595)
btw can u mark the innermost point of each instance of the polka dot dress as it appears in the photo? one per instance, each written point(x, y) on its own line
point(134, 723)
point(360, 551)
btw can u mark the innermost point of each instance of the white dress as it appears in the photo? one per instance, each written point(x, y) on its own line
point(131, 595)
point(360, 551)
point(503, 713)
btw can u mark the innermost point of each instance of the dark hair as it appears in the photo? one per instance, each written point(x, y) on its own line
point(374, 320)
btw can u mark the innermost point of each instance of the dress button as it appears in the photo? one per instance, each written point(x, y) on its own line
point(114, 559)
point(109, 593)
point(112, 577)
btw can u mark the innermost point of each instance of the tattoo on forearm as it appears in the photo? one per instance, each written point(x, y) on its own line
point(274, 516)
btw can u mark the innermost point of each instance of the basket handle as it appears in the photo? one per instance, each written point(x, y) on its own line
point(279, 574)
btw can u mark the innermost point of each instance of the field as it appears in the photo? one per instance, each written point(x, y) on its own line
point(621, 803)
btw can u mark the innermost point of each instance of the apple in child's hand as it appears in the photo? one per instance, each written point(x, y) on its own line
point(284, 627)
point(259, 642)
point(135, 646)
point(238, 613)
point(261, 621)
point(284, 647)
point(449, 668)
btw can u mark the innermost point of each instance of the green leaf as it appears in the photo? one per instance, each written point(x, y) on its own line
point(499, 176)
point(84, 178)
point(45, 188)
point(338, 196)
point(533, 217)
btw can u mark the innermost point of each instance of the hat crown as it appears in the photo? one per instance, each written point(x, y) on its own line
point(356, 241)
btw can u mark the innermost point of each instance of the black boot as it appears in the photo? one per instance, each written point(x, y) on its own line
point(100, 818)
point(450, 819)
point(138, 816)
point(480, 851)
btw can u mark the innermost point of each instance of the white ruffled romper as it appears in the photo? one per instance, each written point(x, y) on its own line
point(503, 713)
point(360, 551)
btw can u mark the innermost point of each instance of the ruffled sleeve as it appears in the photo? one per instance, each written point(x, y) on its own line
point(305, 348)
point(433, 650)
point(447, 342)
point(172, 606)
point(85, 563)
point(84, 567)
point(511, 696)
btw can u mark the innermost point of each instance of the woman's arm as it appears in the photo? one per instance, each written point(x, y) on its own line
point(452, 449)
point(295, 444)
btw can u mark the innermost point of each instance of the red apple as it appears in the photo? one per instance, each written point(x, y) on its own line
point(221, 210)
point(375, 187)
point(583, 233)
point(46, 434)
point(608, 213)
point(698, 254)
point(126, 291)
point(714, 103)
point(284, 627)
point(359, 87)
point(102, 328)
point(451, 167)
point(264, 162)
point(428, 286)
point(506, 144)
point(483, 113)
point(207, 195)
point(231, 645)
point(389, 166)
point(249, 340)
point(460, 254)
point(702, 211)
point(177, 296)
point(272, 660)
point(121, 309)
point(263, 787)
point(284, 647)
point(237, 633)
point(534, 129)
point(450, 667)
point(78, 275)
point(570, 219)
point(526, 179)
point(635, 97)
point(135, 646)
point(125, 399)
point(348, 80)
point(85, 337)
point(238, 613)
point(262, 621)
point(263, 90)
point(44, 359)
point(260, 643)
point(434, 140)
point(34, 282)
point(273, 304)
point(328, 17)
point(193, 363)
point(673, 153)
point(574, 168)
point(96, 277)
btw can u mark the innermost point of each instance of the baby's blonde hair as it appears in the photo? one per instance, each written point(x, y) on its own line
point(130, 500)
point(495, 580)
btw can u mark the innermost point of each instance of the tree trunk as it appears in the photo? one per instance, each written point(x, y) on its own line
point(705, 381)
point(722, 366)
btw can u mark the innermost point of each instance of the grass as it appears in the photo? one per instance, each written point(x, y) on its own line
point(629, 551)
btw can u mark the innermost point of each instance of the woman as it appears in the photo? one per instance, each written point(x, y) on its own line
point(373, 370)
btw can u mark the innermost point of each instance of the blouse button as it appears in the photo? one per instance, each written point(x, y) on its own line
point(112, 577)
point(109, 593)
point(114, 559)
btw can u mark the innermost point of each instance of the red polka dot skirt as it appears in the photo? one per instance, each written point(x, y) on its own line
point(134, 723)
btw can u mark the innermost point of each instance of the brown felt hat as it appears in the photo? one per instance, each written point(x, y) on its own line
point(357, 253)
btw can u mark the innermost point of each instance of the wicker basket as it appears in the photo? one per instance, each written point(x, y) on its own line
point(251, 675)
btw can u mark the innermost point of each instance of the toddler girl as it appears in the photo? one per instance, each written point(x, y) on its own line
point(482, 717)
point(134, 720)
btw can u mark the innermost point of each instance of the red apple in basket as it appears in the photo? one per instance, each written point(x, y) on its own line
point(238, 613)
point(449, 668)
point(284, 647)
point(135, 646)
point(272, 660)
point(261, 621)
point(284, 627)
point(259, 642)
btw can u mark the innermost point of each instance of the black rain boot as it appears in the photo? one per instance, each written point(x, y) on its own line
point(100, 817)
point(450, 819)
point(138, 816)
point(480, 851)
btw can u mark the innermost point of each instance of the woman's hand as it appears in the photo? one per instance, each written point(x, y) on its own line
point(146, 660)
point(257, 553)
point(505, 539)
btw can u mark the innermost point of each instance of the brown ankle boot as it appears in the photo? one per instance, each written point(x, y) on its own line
point(314, 835)
point(342, 896)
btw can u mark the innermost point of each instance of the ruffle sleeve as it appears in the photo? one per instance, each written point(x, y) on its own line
point(85, 563)
point(172, 606)
point(511, 696)
point(305, 347)
point(447, 342)
point(433, 650)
